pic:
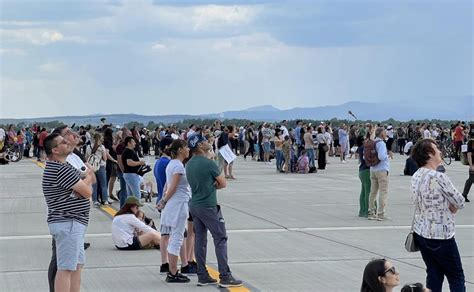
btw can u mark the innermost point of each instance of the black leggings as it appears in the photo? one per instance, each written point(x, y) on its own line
point(468, 184)
point(321, 157)
point(251, 149)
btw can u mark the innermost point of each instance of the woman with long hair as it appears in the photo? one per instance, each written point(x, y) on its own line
point(111, 163)
point(380, 276)
point(126, 227)
point(101, 153)
point(175, 210)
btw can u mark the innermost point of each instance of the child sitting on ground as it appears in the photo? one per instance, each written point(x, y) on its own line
point(303, 162)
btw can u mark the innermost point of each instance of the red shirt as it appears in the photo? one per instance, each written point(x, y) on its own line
point(458, 134)
point(42, 136)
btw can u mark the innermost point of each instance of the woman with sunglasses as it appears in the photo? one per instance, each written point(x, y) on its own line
point(380, 275)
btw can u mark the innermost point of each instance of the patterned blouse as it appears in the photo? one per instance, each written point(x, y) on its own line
point(432, 193)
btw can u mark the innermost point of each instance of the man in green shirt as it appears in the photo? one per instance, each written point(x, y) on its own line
point(205, 178)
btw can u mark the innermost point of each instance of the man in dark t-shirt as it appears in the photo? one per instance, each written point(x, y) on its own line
point(470, 160)
point(204, 178)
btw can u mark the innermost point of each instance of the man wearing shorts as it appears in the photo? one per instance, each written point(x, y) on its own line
point(67, 198)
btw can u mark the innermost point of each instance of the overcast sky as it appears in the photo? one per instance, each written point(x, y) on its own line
point(196, 57)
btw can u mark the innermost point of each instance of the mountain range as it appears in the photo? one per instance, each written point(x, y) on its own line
point(444, 109)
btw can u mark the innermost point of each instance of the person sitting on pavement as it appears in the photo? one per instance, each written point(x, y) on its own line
point(126, 224)
point(380, 276)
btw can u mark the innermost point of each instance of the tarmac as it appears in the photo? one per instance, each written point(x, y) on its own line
point(287, 232)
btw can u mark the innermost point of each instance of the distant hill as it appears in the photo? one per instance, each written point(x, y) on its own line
point(461, 108)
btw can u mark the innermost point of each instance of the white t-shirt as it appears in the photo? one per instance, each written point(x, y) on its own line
point(2, 134)
point(124, 228)
point(390, 133)
point(407, 147)
point(176, 209)
point(75, 161)
point(284, 131)
point(426, 134)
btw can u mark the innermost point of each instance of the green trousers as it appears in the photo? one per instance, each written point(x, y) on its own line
point(364, 177)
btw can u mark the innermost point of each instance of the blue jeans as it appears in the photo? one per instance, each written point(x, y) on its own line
point(102, 183)
point(123, 189)
point(279, 159)
point(310, 153)
point(133, 181)
point(442, 258)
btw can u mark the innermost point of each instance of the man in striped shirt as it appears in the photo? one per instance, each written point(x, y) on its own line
point(67, 198)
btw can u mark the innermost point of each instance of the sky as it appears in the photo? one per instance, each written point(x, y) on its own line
point(197, 57)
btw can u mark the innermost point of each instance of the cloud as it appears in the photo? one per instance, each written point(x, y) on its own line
point(13, 52)
point(158, 46)
point(51, 67)
point(214, 16)
point(37, 36)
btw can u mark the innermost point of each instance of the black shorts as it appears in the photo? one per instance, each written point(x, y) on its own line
point(134, 246)
point(336, 143)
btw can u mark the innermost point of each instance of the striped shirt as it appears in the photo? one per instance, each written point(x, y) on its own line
point(58, 179)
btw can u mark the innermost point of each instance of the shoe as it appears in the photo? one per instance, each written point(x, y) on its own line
point(232, 177)
point(177, 278)
point(86, 245)
point(108, 202)
point(343, 162)
point(207, 281)
point(188, 270)
point(229, 281)
point(193, 264)
point(372, 217)
point(383, 218)
point(466, 199)
point(97, 204)
point(165, 268)
point(113, 197)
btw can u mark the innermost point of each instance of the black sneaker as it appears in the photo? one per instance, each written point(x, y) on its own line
point(229, 281)
point(193, 264)
point(177, 278)
point(86, 245)
point(207, 281)
point(188, 270)
point(164, 268)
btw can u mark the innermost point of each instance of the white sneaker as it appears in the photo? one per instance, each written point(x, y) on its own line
point(343, 162)
point(97, 204)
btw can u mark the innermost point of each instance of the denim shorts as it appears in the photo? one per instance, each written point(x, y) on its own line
point(69, 237)
point(266, 147)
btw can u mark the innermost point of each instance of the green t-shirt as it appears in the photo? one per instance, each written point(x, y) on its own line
point(201, 173)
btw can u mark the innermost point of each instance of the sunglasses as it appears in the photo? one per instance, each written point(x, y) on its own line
point(392, 270)
point(62, 142)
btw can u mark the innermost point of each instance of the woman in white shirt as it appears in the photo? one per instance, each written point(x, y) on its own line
point(436, 203)
point(175, 208)
point(126, 226)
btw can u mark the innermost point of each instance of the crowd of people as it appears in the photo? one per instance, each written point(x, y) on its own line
point(83, 164)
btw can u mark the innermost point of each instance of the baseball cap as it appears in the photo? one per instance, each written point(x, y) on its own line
point(194, 140)
point(133, 201)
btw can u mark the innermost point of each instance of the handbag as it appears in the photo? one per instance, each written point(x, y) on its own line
point(410, 244)
point(325, 148)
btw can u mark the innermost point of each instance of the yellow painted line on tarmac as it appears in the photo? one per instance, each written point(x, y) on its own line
point(213, 273)
point(39, 163)
point(109, 210)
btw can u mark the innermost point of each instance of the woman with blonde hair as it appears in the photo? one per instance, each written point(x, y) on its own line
point(99, 153)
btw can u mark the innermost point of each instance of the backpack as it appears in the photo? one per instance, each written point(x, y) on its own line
point(94, 161)
point(370, 153)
